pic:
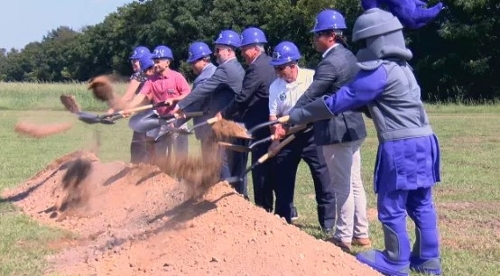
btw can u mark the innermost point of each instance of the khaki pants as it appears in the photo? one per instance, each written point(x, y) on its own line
point(344, 165)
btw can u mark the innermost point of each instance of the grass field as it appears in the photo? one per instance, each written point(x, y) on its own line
point(467, 199)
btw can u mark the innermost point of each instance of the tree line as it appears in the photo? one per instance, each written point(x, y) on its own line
point(456, 57)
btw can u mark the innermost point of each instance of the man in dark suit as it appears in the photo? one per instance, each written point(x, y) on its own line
point(218, 91)
point(340, 137)
point(250, 106)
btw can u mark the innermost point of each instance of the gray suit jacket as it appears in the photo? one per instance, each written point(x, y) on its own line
point(215, 93)
point(336, 69)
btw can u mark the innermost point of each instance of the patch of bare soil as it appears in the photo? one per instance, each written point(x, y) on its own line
point(134, 220)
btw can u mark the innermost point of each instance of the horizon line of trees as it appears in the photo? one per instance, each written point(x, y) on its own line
point(456, 57)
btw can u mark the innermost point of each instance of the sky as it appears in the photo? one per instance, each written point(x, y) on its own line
point(25, 21)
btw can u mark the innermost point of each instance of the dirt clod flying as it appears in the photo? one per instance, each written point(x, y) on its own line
point(70, 103)
point(102, 88)
point(41, 131)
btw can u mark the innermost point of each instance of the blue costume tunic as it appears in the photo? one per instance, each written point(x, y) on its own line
point(406, 164)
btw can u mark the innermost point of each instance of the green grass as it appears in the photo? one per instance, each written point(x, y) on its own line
point(35, 96)
point(467, 199)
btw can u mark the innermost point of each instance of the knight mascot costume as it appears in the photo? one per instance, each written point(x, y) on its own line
point(408, 158)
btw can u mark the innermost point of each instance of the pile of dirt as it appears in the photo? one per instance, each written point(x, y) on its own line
point(135, 219)
point(224, 129)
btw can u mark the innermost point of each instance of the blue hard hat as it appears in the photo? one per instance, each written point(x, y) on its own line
point(162, 51)
point(198, 50)
point(146, 62)
point(284, 53)
point(139, 51)
point(228, 37)
point(329, 20)
point(252, 35)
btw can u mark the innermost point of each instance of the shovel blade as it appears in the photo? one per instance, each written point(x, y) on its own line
point(181, 131)
point(88, 118)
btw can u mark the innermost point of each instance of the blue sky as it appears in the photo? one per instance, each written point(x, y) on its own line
point(25, 21)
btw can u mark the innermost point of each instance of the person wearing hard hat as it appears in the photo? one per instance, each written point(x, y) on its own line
point(215, 93)
point(250, 107)
point(139, 151)
point(407, 166)
point(199, 60)
point(166, 85)
point(339, 138)
point(284, 92)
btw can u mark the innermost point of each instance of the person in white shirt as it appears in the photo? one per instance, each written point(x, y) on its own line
point(284, 92)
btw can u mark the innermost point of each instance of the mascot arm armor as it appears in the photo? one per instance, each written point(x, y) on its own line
point(366, 87)
point(412, 13)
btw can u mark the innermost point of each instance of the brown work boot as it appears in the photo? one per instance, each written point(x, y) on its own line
point(362, 242)
point(345, 246)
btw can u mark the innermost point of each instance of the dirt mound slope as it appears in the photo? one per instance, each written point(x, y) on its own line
point(136, 220)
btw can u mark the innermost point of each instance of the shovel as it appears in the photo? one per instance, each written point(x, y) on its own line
point(143, 122)
point(240, 148)
point(90, 118)
point(280, 120)
point(262, 159)
point(190, 130)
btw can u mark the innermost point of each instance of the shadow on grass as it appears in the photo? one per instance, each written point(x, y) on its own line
point(26, 193)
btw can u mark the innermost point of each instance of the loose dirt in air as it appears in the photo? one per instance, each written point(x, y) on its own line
point(224, 129)
point(41, 131)
point(136, 219)
point(103, 90)
point(70, 103)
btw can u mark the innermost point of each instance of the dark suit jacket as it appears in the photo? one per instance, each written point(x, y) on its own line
point(216, 92)
point(336, 69)
point(251, 104)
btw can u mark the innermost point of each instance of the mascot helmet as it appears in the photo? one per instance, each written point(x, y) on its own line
point(383, 36)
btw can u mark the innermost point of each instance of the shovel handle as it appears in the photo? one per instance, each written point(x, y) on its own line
point(212, 120)
point(296, 129)
point(194, 114)
point(143, 107)
point(283, 119)
point(274, 151)
point(261, 141)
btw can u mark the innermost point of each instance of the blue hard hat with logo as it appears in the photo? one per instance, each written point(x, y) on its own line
point(228, 37)
point(161, 52)
point(252, 35)
point(146, 62)
point(198, 50)
point(139, 51)
point(284, 53)
point(329, 20)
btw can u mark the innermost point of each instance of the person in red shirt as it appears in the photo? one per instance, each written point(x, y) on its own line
point(168, 86)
